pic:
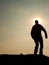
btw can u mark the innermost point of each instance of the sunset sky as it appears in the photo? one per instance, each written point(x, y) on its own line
point(16, 20)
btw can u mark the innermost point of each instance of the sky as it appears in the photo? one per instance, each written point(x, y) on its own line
point(16, 20)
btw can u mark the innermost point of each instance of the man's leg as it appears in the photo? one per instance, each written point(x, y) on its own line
point(41, 46)
point(36, 47)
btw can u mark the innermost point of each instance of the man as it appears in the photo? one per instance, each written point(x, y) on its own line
point(37, 37)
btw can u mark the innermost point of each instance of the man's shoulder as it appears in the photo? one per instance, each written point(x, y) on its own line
point(39, 24)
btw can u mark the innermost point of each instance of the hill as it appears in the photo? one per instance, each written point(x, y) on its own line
point(24, 59)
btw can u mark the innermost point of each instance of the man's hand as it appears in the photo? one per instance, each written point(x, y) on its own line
point(46, 36)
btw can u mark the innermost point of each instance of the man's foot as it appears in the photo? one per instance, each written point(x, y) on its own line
point(40, 53)
point(35, 53)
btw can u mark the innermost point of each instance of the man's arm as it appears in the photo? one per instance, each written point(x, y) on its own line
point(44, 30)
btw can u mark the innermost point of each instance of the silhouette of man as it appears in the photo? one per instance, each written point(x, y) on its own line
point(37, 37)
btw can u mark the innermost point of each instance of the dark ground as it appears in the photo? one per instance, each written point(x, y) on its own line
point(24, 59)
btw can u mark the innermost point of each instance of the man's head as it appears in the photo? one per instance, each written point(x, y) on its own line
point(36, 21)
